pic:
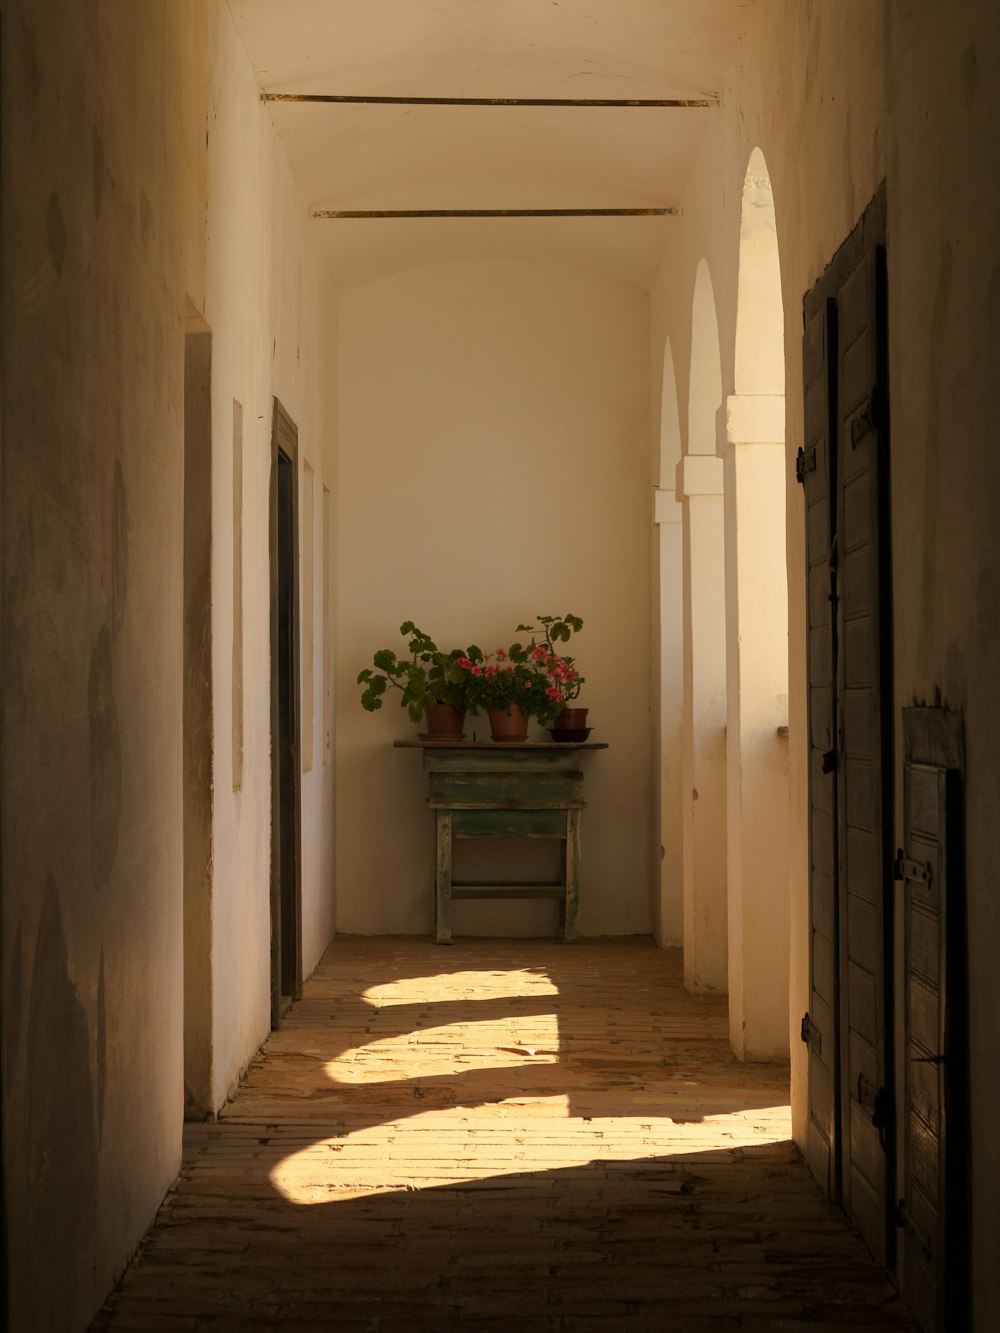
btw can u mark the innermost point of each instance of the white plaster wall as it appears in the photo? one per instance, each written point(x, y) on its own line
point(493, 464)
point(262, 304)
point(838, 98)
point(93, 305)
point(667, 619)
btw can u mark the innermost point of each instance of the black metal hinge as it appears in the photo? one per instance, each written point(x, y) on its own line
point(904, 868)
point(805, 461)
point(811, 1035)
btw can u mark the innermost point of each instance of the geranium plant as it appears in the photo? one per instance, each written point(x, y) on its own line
point(428, 676)
point(532, 675)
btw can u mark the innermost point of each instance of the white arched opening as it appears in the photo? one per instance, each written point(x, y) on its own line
point(703, 790)
point(751, 439)
point(668, 914)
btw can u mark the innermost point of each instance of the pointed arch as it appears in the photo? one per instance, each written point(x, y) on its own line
point(752, 445)
point(668, 888)
point(703, 787)
point(760, 340)
point(705, 381)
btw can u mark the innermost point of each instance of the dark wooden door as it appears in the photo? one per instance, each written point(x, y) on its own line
point(821, 1024)
point(844, 471)
point(864, 692)
point(286, 818)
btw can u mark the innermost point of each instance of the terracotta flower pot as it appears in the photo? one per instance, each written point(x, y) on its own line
point(444, 722)
point(571, 719)
point(570, 725)
point(508, 724)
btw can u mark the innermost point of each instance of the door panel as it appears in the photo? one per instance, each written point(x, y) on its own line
point(933, 1207)
point(820, 1025)
point(864, 848)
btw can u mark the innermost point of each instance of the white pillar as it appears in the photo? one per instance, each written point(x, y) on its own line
point(699, 486)
point(669, 913)
point(751, 442)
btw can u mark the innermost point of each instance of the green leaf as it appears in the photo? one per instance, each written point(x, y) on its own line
point(385, 660)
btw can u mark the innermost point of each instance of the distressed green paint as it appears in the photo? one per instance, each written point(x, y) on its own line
point(508, 791)
point(526, 890)
point(509, 823)
point(482, 790)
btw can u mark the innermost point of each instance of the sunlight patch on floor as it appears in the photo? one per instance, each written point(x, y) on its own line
point(459, 1145)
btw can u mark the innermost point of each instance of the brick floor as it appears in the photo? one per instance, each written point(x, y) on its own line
point(514, 1135)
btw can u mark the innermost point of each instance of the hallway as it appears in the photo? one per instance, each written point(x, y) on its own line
point(535, 1137)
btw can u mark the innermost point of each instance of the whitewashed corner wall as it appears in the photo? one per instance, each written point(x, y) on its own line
point(92, 528)
point(125, 198)
point(263, 306)
point(493, 464)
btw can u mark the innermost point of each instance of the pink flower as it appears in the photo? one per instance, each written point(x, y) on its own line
point(491, 671)
point(463, 662)
point(502, 654)
point(554, 693)
point(477, 671)
point(538, 654)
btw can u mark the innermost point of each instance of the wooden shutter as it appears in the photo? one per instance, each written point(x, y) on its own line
point(819, 1027)
point(932, 1213)
point(864, 689)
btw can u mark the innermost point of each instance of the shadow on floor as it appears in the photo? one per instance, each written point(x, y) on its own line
point(692, 1243)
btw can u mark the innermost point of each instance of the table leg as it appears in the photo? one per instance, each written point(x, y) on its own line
point(571, 873)
point(443, 877)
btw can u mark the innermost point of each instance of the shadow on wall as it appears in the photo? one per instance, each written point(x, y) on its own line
point(55, 1112)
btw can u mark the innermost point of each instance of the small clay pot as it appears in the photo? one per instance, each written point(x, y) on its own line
point(571, 719)
point(508, 724)
point(444, 722)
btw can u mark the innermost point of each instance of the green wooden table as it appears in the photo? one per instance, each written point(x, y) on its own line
point(524, 789)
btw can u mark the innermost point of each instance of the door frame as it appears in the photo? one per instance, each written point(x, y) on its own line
point(284, 452)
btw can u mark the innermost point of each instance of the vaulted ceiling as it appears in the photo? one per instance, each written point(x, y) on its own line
point(362, 156)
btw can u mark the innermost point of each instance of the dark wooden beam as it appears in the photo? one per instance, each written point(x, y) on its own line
point(354, 100)
point(494, 213)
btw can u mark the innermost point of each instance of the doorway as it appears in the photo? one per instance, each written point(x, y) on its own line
point(198, 721)
point(286, 804)
point(844, 469)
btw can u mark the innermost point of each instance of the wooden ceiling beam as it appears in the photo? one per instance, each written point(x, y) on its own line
point(328, 213)
point(353, 100)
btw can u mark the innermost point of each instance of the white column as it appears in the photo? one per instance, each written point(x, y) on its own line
point(751, 443)
point(669, 907)
point(703, 804)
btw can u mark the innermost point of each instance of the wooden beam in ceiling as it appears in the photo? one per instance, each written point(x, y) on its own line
point(327, 213)
point(339, 99)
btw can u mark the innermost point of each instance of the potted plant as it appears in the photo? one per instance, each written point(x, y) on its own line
point(565, 722)
point(431, 683)
point(525, 680)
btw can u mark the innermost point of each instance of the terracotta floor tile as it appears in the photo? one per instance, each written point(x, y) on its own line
point(513, 1135)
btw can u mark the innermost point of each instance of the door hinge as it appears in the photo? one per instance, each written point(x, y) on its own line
point(870, 418)
point(875, 1101)
point(904, 1220)
point(904, 868)
point(811, 1035)
point(805, 461)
